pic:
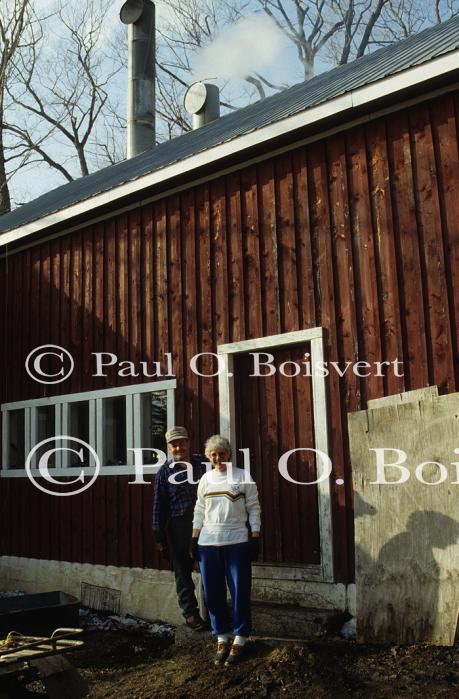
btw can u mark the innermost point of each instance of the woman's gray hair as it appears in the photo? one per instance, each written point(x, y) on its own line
point(217, 442)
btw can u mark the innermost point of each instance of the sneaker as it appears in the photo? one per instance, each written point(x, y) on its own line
point(235, 655)
point(195, 622)
point(222, 652)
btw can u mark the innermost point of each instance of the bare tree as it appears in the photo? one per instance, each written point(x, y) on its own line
point(58, 95)
point(405, 17)
point(15, 37)
point(340, 31)
point(336, 31)
point(308, 25)
point(193, 24)
point(64, 98)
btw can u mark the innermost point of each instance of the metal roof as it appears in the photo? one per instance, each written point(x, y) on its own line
point(414, 51)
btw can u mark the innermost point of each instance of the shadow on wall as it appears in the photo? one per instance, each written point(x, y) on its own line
point(404, 596)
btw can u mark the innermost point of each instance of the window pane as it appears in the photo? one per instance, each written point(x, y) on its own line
point(16, 446)
point(115, 431)
point(46, 428)
point(154, 423)
point(79, 427)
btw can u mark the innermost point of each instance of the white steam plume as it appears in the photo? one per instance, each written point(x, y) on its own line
point(248, 46)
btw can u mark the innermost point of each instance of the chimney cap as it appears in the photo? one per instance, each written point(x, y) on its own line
point(195, 97)
point(131, 11)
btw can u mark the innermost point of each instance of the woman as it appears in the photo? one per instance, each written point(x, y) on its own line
point(226, 498)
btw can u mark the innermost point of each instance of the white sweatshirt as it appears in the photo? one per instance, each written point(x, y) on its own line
point(224, 501)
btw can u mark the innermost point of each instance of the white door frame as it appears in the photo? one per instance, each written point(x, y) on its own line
point(323, 571)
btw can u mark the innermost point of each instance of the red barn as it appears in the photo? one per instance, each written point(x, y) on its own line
point(318, 225)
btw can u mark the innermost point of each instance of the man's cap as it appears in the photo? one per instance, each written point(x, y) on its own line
point(176, 433)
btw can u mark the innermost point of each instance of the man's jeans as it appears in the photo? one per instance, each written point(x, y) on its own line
point(180, 529)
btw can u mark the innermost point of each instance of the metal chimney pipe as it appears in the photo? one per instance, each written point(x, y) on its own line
point(139, 15)
point(202, 100)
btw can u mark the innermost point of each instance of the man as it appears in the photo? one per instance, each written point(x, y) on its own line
point(173, 507)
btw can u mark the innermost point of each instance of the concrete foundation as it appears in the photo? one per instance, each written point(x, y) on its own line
point(281, 607)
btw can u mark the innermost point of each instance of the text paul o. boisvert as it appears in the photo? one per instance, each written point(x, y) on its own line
point(210, 364)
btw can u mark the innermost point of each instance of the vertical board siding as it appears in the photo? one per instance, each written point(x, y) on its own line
point(251, 251)
point(431, 249)
point(205, 298)
point(407, 245)
point(385, 252)
point(175, 295)
point(286, 259)
point(364, 259)
point(161, 303)
point(123, 297)
point(326, 317)
point(190, 311)
point(444, 125)
point(357, 233)
point(269, 267)
point(237, 299)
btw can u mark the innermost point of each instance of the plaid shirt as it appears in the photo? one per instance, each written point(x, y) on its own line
point(175, 499)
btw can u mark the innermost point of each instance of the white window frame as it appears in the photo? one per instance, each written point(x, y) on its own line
point(322, 572)
point(132, 395)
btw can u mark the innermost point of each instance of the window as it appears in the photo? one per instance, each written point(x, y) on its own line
point(45, 416)
point(16, 446)
point(78, 427)
point(153, 416)
point(113, 422)
point(114, 411)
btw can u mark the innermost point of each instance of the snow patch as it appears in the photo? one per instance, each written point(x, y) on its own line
point(95, 621)
point(349, 629)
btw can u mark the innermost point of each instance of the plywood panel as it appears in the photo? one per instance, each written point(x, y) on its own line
point(407, 534)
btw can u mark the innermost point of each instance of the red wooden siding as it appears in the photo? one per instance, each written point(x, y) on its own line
point(357, 233)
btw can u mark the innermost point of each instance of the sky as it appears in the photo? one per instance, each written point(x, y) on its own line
point(232, 55)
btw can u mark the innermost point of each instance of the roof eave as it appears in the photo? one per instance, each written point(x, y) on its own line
point(334, 108)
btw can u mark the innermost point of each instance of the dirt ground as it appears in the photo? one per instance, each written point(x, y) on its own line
point(126, 665)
